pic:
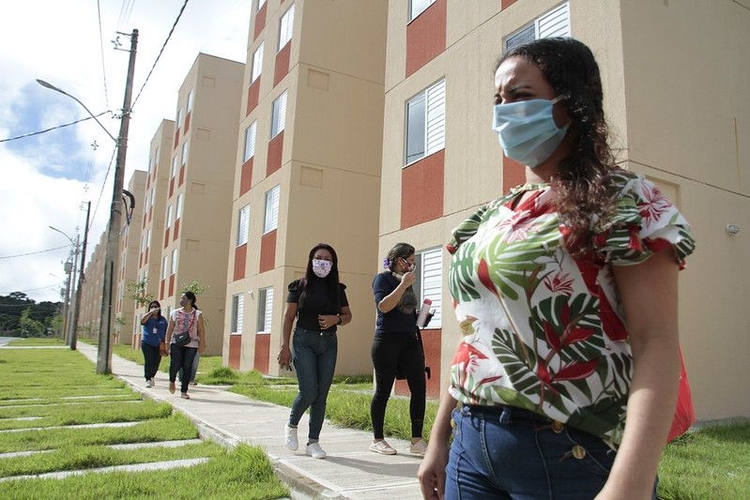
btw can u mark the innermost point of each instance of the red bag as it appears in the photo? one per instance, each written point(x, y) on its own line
point(684, 415)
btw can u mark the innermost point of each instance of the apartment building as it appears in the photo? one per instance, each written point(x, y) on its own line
point(441, 159)
point(92, 291)
point(127, 260)
point(197, 206)
point(307, 170)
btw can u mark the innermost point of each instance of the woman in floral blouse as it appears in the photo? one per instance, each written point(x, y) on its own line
point(565, 382)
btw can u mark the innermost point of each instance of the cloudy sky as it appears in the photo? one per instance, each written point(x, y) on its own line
point(47, 178)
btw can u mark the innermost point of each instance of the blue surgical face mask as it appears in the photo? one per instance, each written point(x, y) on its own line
point(527, 130)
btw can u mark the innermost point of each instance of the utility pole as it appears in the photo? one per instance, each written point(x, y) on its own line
point(81, 279)
point(68, 268)
point(104, 355)
point(71, 303)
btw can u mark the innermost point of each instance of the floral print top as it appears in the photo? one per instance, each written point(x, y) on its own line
point(545, 331)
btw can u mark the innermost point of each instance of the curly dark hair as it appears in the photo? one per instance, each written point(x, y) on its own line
point(399, 251)
point(583, 180)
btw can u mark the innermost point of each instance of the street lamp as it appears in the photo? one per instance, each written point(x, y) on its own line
point(70, 270)
point(104, 355)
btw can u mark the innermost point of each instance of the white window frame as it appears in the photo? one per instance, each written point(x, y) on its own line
point(178, 210)
point(265, 310)
point(261, 3)
point(250, 137)
point(173, 170)
point(169, 216)
point(185, 152)
point(164, 267)
point(425, 123)
point(148, 237)
point(555, 22)
point(175, 261)
point(416, 7)
point(238, 312)
point(243, 225)
point(257, 68)
point(429, 282)
point(278, 115)
point(286, 27)
point(190, 101)
point(271, 216)
point(178, 118)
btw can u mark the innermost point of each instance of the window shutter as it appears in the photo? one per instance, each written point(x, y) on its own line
point(554, 23)
point(282, 112)
point(435, 140)
point(243, 225)
point(238, 310)
point(250, 141)
point(432, 283)
point(269, 311)
point(526, 35)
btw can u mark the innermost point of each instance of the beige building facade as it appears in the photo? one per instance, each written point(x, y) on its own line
point(307, 170)
point(653, 59)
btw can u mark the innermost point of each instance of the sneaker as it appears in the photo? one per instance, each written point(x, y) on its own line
point(315, 451)
point(185, 395)
point(153, 383)
point(149, 383)
point(290, 436)
point(172, 388)
point(382, 447)
point(418, 448)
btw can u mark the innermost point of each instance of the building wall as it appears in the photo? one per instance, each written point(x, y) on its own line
point(330, 168)
point(653, 58)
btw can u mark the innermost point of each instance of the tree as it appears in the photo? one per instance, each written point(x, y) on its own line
point(31, 327)
point(137, 292)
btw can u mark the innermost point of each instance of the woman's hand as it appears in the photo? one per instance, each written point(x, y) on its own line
point(285, 358)
point(431, 472)
point(407, 279)
point(326, 321)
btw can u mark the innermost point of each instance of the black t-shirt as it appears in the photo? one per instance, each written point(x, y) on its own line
point(317, 301)
point(403, 317)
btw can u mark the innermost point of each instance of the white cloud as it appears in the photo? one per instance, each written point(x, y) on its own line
point(47, 181)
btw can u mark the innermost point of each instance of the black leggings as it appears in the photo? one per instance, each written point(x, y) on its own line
point(400, 353)
point(181, 358)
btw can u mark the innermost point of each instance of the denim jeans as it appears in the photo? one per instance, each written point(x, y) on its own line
point(181, 358)
point(514, 454)
point(314, 355)
point(151, 360)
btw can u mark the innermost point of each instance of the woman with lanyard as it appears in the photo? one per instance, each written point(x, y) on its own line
point(186, 318)
point(152, 337)
point(318, 302)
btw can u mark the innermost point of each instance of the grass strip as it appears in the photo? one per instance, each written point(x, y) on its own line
point(89, 414)
point(244, 472)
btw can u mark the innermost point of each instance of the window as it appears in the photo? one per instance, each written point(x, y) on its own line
point(416, 7)
point(174, 261)
point(153, 197)
point(287, 27)
point(185, 152)
point(250, 141)
point(265, 310)
point(261, 3)
point(148, 238)
point(169, 216)
point(257, 62)
point(271, 220)
point(164, 267)
point(178, 118)
point(243, 225)
point(554, 23)
point(190, 101)
point(173, 171)
point(425, 123)
point(278, 115)
point(429, 282)
point(178, 211)
point(238, 312)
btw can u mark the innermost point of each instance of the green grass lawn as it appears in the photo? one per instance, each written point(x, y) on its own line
point(42, 391)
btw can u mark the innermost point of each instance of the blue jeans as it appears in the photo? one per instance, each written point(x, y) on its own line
point(151, 360)
point(181, 358)
point(314, 355)
point(512, 453)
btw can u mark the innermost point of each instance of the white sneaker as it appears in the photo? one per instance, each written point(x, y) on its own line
point(149, 383)
point(290, 436)
point(418, 448)
point(315, 451)
point(382, 447)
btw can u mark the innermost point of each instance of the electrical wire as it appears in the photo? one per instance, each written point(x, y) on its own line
point(53, 128)
point(182, 9)
point(101, 50)
point(33, 253)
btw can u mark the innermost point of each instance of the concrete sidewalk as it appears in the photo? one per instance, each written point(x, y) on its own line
point(349, 471)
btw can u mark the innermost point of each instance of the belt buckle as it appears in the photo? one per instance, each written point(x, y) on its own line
point(557, 426)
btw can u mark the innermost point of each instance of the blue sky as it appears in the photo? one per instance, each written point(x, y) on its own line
point(47, 178)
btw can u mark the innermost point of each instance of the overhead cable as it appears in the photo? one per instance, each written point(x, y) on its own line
point(53, 128)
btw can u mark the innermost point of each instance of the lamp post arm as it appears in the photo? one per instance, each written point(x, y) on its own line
point(52, 87)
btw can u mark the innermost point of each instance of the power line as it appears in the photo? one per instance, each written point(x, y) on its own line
point(34, 253)
point(53, 128)
point(182, 9)
point(101, 50)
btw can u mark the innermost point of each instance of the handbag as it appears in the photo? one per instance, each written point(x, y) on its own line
point(182, 339)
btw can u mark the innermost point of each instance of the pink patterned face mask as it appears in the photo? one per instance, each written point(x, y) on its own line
point(321, 267)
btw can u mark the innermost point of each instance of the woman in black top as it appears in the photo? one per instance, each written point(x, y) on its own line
point(319, 303)
point(396, 347)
